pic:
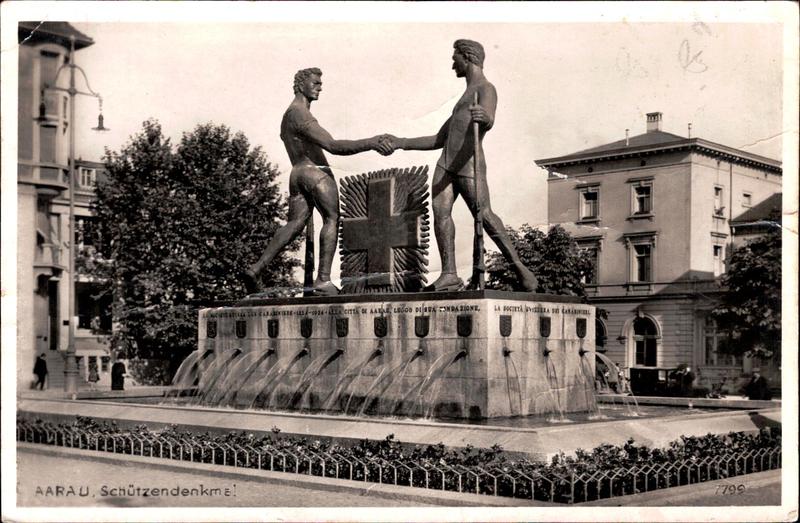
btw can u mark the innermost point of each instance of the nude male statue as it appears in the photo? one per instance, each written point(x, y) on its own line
point(311, 183)
point(455, 170)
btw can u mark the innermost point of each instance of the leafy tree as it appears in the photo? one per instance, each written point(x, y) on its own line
point(176, 227)
point(555, 259)
point(750, 309)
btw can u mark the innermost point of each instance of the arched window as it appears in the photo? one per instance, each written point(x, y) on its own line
point(600, 335)
point(645, 335)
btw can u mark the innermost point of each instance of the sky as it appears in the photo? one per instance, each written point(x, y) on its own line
point(562, 87)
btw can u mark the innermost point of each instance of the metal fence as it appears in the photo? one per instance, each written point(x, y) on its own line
point(544, 485)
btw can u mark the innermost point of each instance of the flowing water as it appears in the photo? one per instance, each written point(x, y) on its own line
point(394, 375)
point(348, 376)
point(551, 378)
point(629, 400)
point(436, 387)
point(434, 373)
point(588, 386)
point(236, 375)
point(506, 360)
point(210, 376)
point(310, 374)
point(265, 387)
point(187, 372)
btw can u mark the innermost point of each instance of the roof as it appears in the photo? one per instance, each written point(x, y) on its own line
point(763, 211)
point(656, 142)
point(54, 32)
point(80, 162)
point(641, 140)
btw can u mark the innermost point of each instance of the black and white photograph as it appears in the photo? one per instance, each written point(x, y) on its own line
point(399, 261)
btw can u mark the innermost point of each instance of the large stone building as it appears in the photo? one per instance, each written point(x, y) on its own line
point(656, 211)
point(43, 210)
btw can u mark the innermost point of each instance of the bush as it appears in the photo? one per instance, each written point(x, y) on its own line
point(581, 477)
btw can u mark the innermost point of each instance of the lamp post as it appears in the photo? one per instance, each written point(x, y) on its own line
point(71, 363)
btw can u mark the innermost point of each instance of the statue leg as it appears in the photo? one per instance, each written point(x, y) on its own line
point(444, 196)
point(300, 208)
point(494, 226)
point(326, 199)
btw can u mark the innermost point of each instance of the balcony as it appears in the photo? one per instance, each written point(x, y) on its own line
point(47, 261)
point(49, 178)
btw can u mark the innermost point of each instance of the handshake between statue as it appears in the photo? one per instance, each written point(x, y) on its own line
point(387, 144)
point(460, 171)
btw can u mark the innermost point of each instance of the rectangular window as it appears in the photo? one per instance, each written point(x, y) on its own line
point(589, 205)
point(747, 199)
point(717, 347)
point(93, 308)
point(84, 231)
point(48, 68)
point(643, 265)
point(47, 144)
point(719, 262)
point(642, 200)
point(719, 207)
point(593, 252)
point(104, 361)
point(87, 177)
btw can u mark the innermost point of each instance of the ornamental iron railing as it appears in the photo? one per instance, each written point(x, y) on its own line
point(493, 481)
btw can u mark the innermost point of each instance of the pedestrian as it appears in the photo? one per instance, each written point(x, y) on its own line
point(687, 382)
point(118, 375)
point(40, 370)
point(94, 375)
point(758, 387)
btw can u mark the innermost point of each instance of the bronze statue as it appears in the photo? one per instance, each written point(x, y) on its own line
point(311, 184)
point(456, 172)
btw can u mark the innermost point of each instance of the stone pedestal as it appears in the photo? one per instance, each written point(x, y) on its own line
point(473, 354)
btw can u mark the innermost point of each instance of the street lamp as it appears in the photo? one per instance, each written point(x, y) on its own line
point(71, 363)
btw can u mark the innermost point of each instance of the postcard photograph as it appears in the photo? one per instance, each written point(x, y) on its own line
point(399, 261)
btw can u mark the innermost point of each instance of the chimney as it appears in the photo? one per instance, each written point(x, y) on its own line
point(653, 122)
point(627, 139)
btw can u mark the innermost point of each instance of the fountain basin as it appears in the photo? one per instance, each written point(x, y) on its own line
point(656, 428)
point(468, 355)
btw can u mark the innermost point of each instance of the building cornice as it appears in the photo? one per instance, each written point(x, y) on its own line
point(697, 145)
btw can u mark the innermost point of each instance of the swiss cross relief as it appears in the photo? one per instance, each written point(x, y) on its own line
point(384, 231)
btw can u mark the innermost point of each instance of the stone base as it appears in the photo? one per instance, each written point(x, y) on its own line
point(475, 354)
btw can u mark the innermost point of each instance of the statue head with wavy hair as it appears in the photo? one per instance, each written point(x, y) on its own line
point(471, 50)
point(302, 75)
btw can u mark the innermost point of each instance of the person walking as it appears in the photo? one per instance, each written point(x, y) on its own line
point(118, 371)
point(94, 375)
point(40, 370)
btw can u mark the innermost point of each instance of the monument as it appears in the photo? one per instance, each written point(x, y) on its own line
point(387, 344)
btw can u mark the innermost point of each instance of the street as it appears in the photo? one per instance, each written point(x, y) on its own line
point(49, 481)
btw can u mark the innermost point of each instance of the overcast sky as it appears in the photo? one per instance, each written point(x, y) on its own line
point(562, 87)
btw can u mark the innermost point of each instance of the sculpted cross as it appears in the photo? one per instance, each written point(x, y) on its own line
point(380, 231)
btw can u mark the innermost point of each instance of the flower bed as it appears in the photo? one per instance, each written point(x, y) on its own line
point(607, 471)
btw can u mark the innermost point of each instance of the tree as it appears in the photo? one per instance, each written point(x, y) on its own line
point(750, 309)
point(177, 227)
point(555, 259)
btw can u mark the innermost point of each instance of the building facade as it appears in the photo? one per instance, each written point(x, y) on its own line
point(43, 210)
point(655, 211)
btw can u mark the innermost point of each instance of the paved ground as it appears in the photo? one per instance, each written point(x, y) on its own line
point(115, 484)
point(761, 489)
point(45, 475)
